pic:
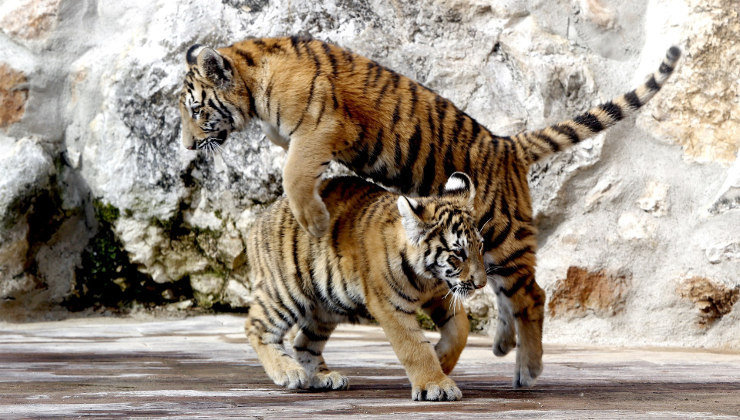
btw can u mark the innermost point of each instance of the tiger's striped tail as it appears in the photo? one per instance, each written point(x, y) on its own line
point(541, 143)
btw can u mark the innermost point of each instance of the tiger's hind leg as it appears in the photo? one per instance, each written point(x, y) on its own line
point(265, 335)
point(522, 302)
point(452, 321)
point(505, 338)
point(308, 346)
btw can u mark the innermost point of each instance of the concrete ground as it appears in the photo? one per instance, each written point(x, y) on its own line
point(203, 367)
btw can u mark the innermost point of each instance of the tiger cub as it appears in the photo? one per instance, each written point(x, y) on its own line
point(324, 103)
point(387, 257)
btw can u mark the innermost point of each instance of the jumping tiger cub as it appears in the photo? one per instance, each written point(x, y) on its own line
point(323, 103)
point(388, 256)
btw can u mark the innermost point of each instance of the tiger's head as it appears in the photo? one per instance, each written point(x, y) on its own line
point(211, 100)
point(444, 235)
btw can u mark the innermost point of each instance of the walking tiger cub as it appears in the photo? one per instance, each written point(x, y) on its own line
point(387, 256)
point(324, 103)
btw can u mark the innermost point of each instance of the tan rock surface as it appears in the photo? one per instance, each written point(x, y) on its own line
point(13, 95)
point(582, 292)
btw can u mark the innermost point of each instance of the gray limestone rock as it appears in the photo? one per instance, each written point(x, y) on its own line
point(93, 135)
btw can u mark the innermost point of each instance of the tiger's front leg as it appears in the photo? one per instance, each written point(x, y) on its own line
point(452, 321)
point(428, 381)
point(306, 161)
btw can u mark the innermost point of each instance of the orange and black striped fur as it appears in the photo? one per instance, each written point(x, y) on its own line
point(323, 103)
point(386, 257)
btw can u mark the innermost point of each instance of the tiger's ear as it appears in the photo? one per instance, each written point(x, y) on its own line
point(460, 184)
point(215, 67)
point(192, 55)
point(411, 212)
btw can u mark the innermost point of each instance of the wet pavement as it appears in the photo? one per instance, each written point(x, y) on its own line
point(203, 367)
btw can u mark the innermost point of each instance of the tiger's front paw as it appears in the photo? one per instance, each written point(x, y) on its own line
point(292, 378)
point(329, 381)
point(312, 216)
point(444, 390)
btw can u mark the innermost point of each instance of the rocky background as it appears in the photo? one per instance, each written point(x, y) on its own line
point(100, 206)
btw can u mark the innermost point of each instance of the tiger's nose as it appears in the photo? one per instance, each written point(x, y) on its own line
point(191, 147)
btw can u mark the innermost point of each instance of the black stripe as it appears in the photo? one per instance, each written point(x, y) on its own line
point(307, 350)
point(332, 60)
point(407, 172)
point(252, 106)
point(665, 68)
point(330, 286)
point(213, 105)
point(449, 165)
point(391, 281)
point(459, 123)
point(398, 152)
point(349, 59)
point(379, 99)
point(520, 282)
point(268, 93)
point(247, 57)
point(406, 311)
point(396, 116)
point(409, 272)
point(567, 131)
point(361, 156)
point(310, 98)
point(367, 76)
point(590, 121)
point(377, 149)
point(378, 72)
point(673, 53)
point(266, 329)
point(522, 233)
point(440, 107)
point(652, 84)
point(396, 79)
point(294, 42)
point(613, 110)
point(313, 336)
point(442, 322)
point(501, 237)
point(279, 313)
point(414, 98)
point(633, 100)
point(502, 271)
point(554, 146)
point(430, 172)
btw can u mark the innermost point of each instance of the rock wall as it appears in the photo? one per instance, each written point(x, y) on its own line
point(639, 227)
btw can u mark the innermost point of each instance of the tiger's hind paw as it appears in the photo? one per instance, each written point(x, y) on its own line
point(526, 375)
